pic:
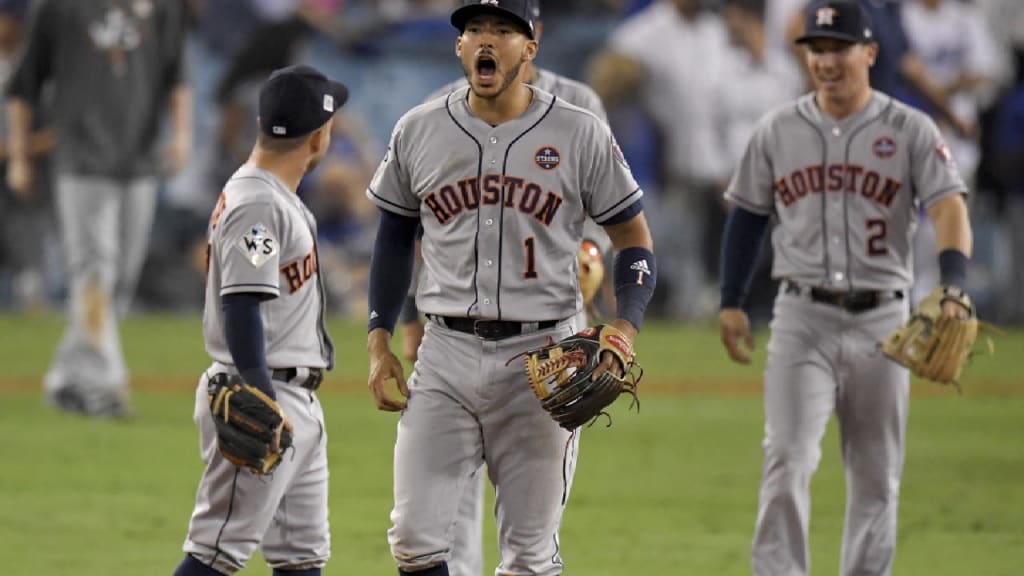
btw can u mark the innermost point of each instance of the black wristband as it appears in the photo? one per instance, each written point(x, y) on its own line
point(952, 267)
point(636, 275)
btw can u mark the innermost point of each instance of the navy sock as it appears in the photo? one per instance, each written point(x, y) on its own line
point(439, 570)
point(192, 567)
point(306, 572)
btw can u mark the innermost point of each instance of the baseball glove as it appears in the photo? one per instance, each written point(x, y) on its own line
point(248, 422)
point(561, 375)
point(934, 347)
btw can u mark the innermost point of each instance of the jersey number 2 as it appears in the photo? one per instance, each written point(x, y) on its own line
point(876, 240)
point(531, 257)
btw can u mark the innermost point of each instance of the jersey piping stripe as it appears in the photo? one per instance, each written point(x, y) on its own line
point(501, 206)
point(227, 518)
point(614, 207)
point(846, 200)
point(250, 285)
point(413, 212)
point(826, 260)
point(479, 179)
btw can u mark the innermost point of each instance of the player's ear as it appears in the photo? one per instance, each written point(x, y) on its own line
point(530, 50)
point(458, 46)
point(872, 53)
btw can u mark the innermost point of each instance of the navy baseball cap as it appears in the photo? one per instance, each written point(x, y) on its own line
point(523, 12)
point(297, 100)
point(844, 20)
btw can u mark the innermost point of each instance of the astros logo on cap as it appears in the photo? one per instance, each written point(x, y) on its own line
point(547, 158)
point(826, 16)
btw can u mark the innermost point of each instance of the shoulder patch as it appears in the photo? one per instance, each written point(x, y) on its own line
point(257, 245)
point(547, 157)
point(884, 147)
point(942, 151)
point(617, 153)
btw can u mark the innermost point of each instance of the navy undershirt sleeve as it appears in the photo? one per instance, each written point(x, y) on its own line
point(243, 330)
point(391, 268)
point(741, 244)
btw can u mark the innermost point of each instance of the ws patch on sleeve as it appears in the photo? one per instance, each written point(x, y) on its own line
point(257, 245)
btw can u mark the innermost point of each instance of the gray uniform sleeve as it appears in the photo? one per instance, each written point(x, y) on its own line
point(35, 62)
point(248, 249)
point(933, 171)
point(752, 186)
point(608, 184)
point(591, 101)
point(389, 189)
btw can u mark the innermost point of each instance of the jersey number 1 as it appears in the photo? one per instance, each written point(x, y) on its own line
point(531, 257)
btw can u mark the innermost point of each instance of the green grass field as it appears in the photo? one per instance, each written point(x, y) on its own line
point(670, 491)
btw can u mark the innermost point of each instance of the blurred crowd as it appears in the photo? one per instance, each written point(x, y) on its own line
point(684, 82)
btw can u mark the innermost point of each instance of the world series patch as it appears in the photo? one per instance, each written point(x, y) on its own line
point(257, 245)
point(547, 158)
point(884, 147)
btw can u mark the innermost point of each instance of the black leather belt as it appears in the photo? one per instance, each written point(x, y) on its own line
point(854, 301)
point(312, 382)
point(493, 329)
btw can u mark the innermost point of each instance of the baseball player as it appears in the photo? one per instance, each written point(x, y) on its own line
point(840, 174)
point(115, 65)
point(264, 321)
point(467, 548)
point(501, 176)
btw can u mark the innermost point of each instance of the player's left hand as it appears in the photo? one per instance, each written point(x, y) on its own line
point(952, 309)
point(608, 360)
point(385, 367)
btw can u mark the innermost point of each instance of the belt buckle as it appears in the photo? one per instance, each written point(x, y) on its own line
point(486, 329)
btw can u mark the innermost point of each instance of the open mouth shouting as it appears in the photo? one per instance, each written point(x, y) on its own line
point(486, 70)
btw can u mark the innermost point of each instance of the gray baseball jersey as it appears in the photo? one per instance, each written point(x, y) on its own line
point(263, 239)
point(845, 194)
point(518, 192)
point(844, 197)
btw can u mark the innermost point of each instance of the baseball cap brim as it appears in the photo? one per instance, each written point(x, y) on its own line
point(462, 15)
point(832, 35)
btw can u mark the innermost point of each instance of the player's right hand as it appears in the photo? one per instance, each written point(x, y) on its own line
point(385, 367)
point(19, 177)
point(735, 327)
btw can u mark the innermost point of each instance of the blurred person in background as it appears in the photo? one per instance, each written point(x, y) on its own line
point(116, 69)
point(336, 193)
point(671, 56)
point(1007, 146)
point(956, 49)
point(757, 80)
point(28, 235)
